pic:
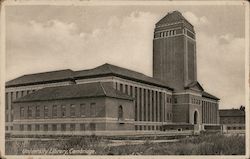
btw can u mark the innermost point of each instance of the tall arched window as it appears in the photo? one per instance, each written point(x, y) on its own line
point(120, 113)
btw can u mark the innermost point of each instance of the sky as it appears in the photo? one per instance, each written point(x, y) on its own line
point(47, 38)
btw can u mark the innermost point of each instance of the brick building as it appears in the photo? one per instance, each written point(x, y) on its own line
point(233, 120)
point(171, 99)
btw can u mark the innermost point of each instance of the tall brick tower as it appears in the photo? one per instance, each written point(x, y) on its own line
point(174, 51)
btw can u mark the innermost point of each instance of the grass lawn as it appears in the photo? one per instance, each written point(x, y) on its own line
point(212, 144)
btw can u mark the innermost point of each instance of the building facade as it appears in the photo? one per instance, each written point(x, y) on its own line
point(172, 98)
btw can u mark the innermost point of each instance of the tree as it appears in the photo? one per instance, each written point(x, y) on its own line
point(242, 108)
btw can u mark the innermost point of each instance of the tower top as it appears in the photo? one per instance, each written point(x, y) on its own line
point(173, 18)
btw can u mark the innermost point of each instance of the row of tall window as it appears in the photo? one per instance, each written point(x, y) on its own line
point(210, 111)
point(195, 101)
point(148, 103)
point(36, 112)
point(58, 127)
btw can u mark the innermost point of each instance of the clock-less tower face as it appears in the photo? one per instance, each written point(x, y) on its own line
point(174, 51)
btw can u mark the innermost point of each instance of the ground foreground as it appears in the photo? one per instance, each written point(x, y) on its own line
point(212, 144)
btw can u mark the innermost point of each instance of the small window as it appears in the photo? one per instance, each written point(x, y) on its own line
point(29, 112)
point(72, 127)
point(121, 87)
point(83, 110)
point(21, 127)
point(63, 127)
point(120, 113)
point(54, 111)
point(45, 127)
point(54, 127)
point(63, 109)
point(92, 110)
point(92, 126)
point(6, 128)
point(82, 127)
point(37, 111)
point(29, 127)
point(126, 89)
point(46, 112)
point(21, 112)
point(175, 100)
point(37, 127)
point(72, 110)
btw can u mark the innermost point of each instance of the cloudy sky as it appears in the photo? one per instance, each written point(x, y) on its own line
point(47, 38)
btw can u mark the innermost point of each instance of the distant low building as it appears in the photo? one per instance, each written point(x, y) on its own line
point(233, 120)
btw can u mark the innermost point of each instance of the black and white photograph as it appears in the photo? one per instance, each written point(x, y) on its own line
point(124, 78)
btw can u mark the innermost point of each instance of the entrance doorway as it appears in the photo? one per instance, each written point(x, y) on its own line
point(195, 117)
